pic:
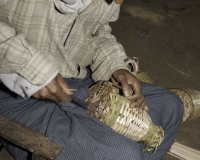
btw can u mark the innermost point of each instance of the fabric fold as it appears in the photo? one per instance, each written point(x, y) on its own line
point(71, 6)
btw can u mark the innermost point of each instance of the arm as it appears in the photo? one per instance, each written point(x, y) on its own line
point(27, 64)
point(20, 85)
point(109, 55)
point(109, 61)
point(18, 56)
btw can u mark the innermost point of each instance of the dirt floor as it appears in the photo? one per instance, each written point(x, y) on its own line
point(171, 52)
point(165, 36)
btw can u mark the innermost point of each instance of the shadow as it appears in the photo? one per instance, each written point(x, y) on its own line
point(171, 52)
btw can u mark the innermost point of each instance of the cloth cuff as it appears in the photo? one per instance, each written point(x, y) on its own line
point(21, 86)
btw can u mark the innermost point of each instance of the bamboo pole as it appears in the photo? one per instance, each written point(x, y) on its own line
point(183, 152)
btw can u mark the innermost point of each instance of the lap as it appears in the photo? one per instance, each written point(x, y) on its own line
point(82, 136)
point(162, 103)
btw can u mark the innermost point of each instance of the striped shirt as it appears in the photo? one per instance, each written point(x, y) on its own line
point(31, 45)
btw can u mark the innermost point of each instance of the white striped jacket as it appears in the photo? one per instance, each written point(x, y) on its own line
point(31, 33)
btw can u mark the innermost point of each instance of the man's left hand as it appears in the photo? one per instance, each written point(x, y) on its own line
point(131, 88)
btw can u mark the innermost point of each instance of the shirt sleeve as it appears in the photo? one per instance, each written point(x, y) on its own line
point(21, 86)
point(109, 54)
point(18, 56)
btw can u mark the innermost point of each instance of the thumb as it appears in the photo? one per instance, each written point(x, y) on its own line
point(121, 77)
point(126, 88)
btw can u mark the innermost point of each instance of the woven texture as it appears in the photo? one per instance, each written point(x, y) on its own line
point(145, 77)
point(191, 101)
point(113, 110)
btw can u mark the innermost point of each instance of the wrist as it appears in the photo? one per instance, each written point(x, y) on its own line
point(119, 74)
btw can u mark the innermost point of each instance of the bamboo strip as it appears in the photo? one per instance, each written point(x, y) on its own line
point(184, 152)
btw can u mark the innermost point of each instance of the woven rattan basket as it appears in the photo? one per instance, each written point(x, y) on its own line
point(191, 101)
point(113, 110)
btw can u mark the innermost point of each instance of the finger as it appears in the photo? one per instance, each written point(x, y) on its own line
point(44, 93)
point(65, 88)
point(135, 97)
point(134, 82)
point(137, 102)
point(57, 90)
point(53, 98)
point(63, 96)
point(36, 95)
point(64, 85)
point(126, 88)
point(146, 108)
point(136, 87)
point(141, 107)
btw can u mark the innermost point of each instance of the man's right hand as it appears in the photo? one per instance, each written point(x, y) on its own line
point(57, 90)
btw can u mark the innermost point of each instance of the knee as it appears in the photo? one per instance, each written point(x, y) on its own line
point(175, 107)
point(177, 104)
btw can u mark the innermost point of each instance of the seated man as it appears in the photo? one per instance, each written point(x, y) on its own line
point(50, 46)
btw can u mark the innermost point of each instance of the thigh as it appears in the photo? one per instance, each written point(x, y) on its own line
point(165, 109)
point(164, 106)
point(82, 136)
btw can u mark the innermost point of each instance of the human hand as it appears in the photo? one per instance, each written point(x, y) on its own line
point(57, 90)
point(131, 88)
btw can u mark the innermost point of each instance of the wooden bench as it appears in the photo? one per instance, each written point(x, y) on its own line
point(29, 139)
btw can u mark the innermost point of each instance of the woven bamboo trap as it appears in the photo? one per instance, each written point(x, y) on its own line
point(113, 110)
point(191, 102)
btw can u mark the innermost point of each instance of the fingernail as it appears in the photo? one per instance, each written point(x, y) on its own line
point(140, 111)
point(128, 93)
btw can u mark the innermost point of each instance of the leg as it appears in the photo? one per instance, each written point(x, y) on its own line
point(165, 109)
point(83, 137)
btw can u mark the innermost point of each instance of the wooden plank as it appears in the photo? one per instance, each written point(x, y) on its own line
point(28, 138)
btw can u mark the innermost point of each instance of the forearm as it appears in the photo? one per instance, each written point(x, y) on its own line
point(18, 56)
point(109, 55)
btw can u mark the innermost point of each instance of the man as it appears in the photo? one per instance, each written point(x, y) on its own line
point(47, 48)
